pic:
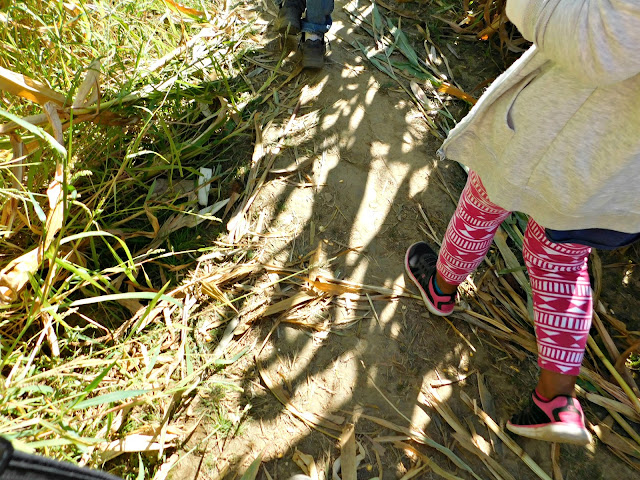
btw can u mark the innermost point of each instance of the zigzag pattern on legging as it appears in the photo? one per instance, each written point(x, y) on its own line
point(558, 273)
point(470, 232)
point(561, 299)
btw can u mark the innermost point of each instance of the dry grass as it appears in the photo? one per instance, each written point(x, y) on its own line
point(114, 112)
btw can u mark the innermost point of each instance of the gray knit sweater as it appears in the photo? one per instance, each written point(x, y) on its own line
point(557, 136)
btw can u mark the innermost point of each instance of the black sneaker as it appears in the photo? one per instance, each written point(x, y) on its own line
point(313, 53)
point(559, 420)
point(420, 264)
point(289, 16)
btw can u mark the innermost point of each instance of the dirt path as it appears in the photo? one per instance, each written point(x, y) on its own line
point(360, 160)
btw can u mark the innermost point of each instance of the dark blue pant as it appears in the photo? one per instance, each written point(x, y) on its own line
point(318, 18)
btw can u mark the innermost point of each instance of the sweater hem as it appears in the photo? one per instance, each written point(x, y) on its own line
point(548, 215)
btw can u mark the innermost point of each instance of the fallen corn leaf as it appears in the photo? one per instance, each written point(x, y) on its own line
point(16, 274)
point(89, 83)
point(132, 443)
point(25, 87)
point(348, 453)
point(288, 303)
point(615, 441)
point(306, 463)
point(449, 89)
point(179, 8)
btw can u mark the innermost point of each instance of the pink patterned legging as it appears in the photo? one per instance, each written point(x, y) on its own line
point(558, 273)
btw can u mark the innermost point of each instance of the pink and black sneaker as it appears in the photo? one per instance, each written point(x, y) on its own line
point(558, 420)
point(420, 264)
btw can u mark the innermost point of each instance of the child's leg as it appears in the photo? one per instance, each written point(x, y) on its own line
point(562, 308)
point(469, 234)
point(465, 244)
point(562, 316)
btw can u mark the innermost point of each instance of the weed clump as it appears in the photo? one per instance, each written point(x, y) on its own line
point(112, 111)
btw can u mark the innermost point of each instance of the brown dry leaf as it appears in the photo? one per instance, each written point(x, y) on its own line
point(306, 463)
point(16, 274)
point(414, 471)
point(449, 89)
point(435, 467)
point(163, 472)
point(615, 441)
point(238, 225)
point(108, 118)
point(8, 214)
point(102, 118)
point(454, 26)
point(555, 460)
point(508, 441)
point(475, 446)
point(298, 298)
point(54, 191)
point(433, 399)
point(11, 207)
point(51, 111)
point(421, 96)
point(89, 83)
point(615, 323)
point(488, 31)
point(184, 220)
point(211, 289)
point(131, 304)
point(153, 220)
point(25, 87)
point(256, 157)
point(234, 196)
point(331, 286)
point(318, 260)
point(131, 444)
point(56, 211)
point(348, 461)
point(488, 405)
point(47, 321)
point(232, 273)
point(178, 7)
point(492, 321)
point(610, 404)
point(18, 152)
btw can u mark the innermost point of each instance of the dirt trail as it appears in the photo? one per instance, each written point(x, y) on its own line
point(363, 160)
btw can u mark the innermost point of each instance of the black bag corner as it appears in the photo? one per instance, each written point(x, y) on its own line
point(16, 465)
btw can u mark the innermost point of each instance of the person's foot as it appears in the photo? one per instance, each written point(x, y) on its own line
point(559, 420)
point(420, 264)
point(289, 16)
point(313, 49)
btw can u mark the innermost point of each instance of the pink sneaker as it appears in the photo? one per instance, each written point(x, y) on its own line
point(420, 264)
point(558, 420)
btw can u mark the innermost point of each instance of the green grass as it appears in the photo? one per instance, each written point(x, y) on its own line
point(129, 161)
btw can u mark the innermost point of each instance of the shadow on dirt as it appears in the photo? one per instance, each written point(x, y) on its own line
point(349, 185)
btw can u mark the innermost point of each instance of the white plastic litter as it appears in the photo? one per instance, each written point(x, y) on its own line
point(204, 186)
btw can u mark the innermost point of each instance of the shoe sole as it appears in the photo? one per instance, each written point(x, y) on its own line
point(554, 433)
point(423, 294)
